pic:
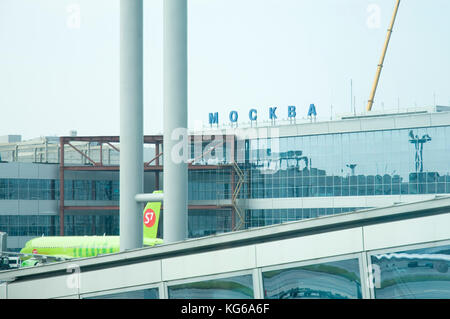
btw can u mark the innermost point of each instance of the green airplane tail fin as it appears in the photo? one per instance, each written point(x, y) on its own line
point(151, 218)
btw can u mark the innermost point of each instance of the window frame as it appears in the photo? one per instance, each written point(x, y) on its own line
point(251, 272)
point(158, 286)
point(359, 256)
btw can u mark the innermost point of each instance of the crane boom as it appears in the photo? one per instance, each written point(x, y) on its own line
point(383, 55)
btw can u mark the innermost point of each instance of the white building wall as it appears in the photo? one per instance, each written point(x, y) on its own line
point(47, 288)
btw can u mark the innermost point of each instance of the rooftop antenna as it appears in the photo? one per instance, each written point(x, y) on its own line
point(331, 106)
point(351, 95)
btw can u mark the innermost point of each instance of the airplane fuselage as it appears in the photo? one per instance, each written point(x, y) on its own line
point(78, 246)
point(73, 246)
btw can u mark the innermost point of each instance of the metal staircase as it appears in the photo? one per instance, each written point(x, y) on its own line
point(240, 214)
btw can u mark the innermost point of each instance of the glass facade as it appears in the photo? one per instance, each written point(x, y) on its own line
point(239, 287)
point(391, 162)
point(209, 184)
point(208, 222)
point(90, 190)
point(29, 225)
point(421, 273)
point(332, 280)
point(203, 185)
point(48, 189)
point(266, 217)
point(47, 225)
point(28, 189)
point(90, 225)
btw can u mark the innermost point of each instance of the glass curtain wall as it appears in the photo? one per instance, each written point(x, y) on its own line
point(391, 162)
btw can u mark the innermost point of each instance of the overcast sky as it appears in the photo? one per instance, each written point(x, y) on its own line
point(59, 73)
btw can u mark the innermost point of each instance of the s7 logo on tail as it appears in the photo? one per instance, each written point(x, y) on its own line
point(149, 218)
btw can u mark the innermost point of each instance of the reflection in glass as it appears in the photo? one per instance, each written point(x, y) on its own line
point(84, 225)
point(136, 294)
point(389, 162)
point(239, 287)
point(28, 225)
point(266, 217)
point(208, 222)
point(422, 273)
point(333, 280)
point(46, 189)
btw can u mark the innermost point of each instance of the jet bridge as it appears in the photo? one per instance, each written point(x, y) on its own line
point(400, 251)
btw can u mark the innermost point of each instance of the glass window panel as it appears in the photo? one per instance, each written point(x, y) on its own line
point(395, 189)
point(404, 188)
point(421, 273)
point(332, 280)
point(345, 190)
point(353, 190)
point(239, 287)
point(362, 191)
point(3, 189)
point(136, 294)
point(306, 213)
point(34, 185)
point(24, 188)
point(345, 181)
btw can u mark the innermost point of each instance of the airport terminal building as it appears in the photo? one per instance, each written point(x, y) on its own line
point(260, 175)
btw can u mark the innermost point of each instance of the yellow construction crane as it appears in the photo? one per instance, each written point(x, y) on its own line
point(383, 55)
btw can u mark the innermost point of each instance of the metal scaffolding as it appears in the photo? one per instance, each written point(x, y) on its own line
point(154, 165)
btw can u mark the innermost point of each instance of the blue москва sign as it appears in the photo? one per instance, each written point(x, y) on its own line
point(253, 114)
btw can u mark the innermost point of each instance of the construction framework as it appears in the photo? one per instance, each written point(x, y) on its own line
point(237, 178)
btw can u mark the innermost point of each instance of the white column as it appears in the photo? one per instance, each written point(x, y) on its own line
point(131, 123)
point(175, 117)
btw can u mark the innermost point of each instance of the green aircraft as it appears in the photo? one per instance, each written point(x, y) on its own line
point(68, 247)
